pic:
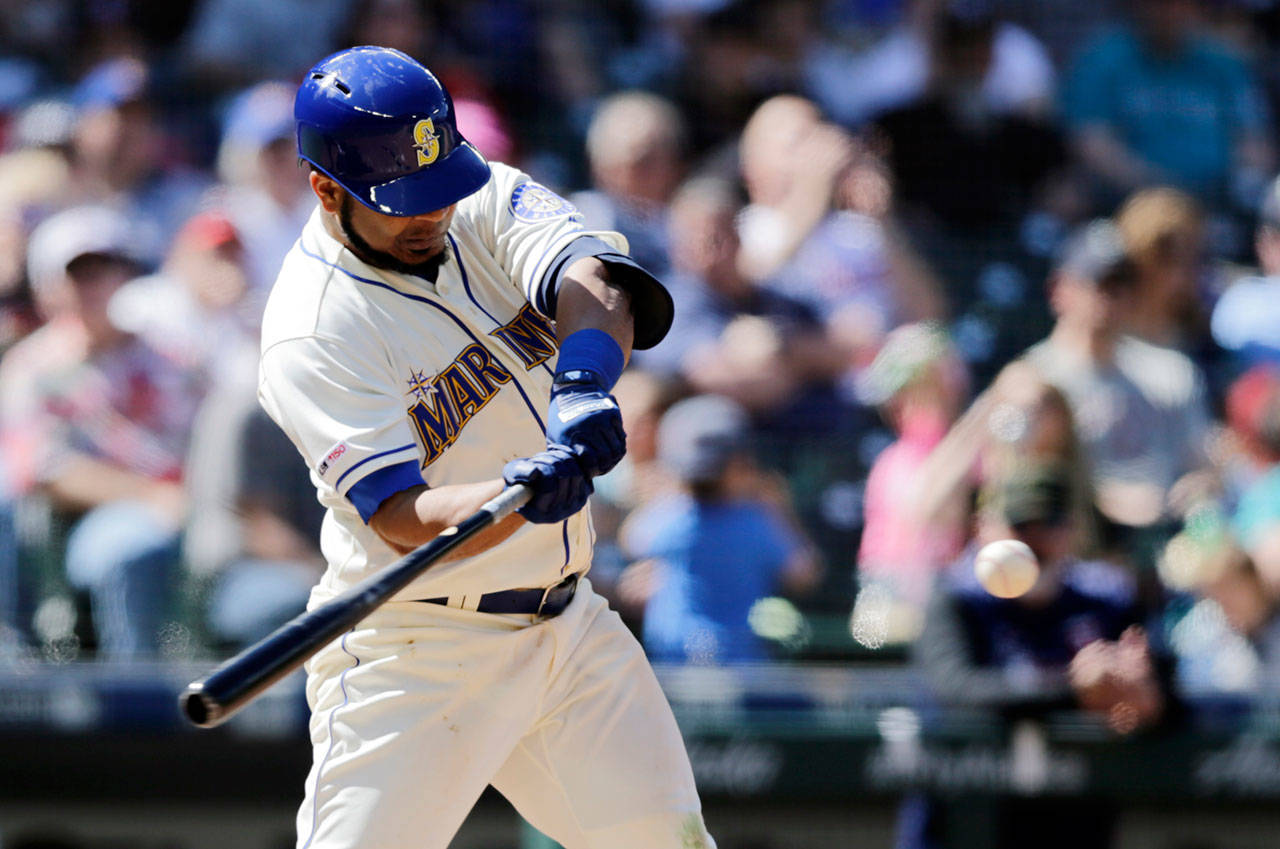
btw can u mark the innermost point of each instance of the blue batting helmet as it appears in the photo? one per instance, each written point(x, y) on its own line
point(383, 127)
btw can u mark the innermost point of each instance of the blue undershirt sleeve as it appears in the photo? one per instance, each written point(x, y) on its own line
point(368, 493)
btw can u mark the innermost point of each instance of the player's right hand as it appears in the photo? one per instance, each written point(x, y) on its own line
point(560, 488)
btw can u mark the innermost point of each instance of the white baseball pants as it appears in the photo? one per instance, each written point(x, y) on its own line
point(421, 706)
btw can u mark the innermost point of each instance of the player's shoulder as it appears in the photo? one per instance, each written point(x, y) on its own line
point(513, 196)
point(299, 300)
point(292, 304)
point(314, 297)
point(502, 178)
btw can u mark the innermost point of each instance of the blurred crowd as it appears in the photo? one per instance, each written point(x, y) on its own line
point(946, 271)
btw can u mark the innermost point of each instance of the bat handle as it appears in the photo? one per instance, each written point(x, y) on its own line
point(507, 502)
point(212, 699)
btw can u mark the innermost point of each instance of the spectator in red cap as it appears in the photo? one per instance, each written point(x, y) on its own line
point(197, 309)
point(1253, 414)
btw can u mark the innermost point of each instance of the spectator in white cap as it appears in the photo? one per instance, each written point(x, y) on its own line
point(69, 239)
point(100, 421)
point(1246, 320)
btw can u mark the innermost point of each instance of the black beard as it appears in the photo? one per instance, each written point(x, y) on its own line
point(378, 259)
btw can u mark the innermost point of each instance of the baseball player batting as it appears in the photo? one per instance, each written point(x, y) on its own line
point(445, 328)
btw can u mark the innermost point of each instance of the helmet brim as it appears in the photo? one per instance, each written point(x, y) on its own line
point(463, 172)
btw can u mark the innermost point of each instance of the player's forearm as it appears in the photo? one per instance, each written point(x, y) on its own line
point(587, 298)
point(418, 515)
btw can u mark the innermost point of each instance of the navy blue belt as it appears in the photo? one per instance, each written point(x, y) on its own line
point(542, 602)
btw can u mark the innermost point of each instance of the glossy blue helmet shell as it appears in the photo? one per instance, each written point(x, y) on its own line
point(383, 127)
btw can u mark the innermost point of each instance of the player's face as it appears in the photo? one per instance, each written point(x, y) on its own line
point(411, 244)
point(396, 242)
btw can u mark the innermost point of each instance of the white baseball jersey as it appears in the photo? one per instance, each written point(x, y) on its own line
point(386, 380)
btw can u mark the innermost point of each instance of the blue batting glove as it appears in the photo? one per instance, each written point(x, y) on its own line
point(586, 418)
point(560, 488)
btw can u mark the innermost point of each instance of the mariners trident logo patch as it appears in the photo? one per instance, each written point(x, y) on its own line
point(532, 201)
point(425, 141)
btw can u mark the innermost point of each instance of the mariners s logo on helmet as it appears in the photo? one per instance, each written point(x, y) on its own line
point(426, 142)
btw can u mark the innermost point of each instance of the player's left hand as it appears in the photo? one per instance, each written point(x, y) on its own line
point(560, 488)
point(585, 417)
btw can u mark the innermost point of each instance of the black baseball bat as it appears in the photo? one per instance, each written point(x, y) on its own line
point(216, 697)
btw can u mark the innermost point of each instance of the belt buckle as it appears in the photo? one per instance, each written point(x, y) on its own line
point(570, 582)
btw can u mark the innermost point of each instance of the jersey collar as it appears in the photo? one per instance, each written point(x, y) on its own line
point(317, 240)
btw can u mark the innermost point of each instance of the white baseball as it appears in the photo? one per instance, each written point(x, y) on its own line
point(1006, 568)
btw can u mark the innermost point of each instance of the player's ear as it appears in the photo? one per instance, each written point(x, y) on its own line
point(327, 190)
